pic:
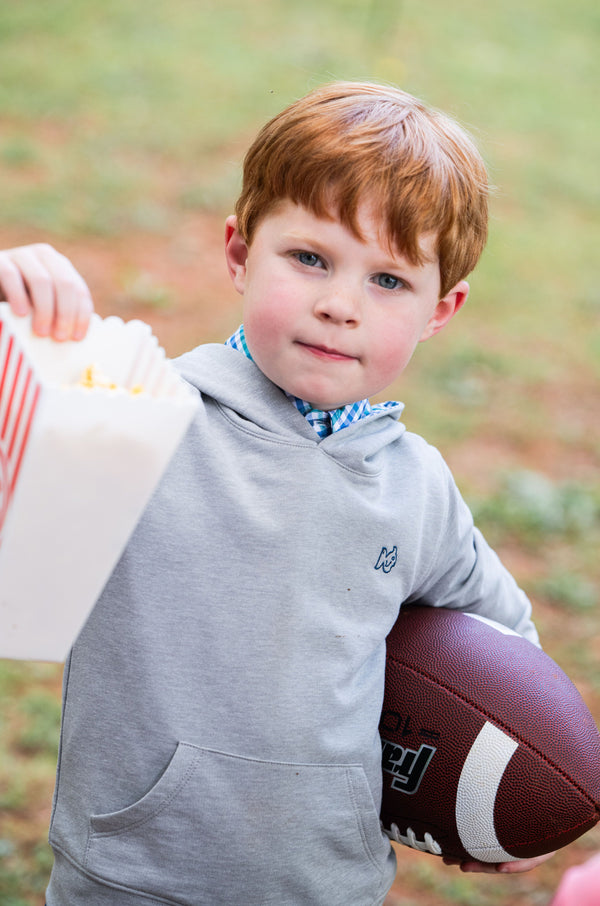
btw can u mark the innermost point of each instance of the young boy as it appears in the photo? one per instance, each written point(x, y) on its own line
point(220, 726)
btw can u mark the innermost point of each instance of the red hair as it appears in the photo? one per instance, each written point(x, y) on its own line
point(353, 142)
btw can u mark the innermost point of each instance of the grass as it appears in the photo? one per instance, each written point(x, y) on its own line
point(529, 509)
point(29, 724)
point(121, 119)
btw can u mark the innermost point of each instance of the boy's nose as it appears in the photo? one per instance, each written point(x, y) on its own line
point(339, 305)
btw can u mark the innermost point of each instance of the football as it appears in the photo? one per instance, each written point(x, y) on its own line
point(488, 750)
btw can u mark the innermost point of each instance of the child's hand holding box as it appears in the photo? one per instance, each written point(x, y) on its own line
point(77, 467)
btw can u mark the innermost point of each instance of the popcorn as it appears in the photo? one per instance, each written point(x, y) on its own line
point(86, 431)
point(92, 378)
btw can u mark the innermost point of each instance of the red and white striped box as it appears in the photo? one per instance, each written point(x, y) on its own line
point(77, 468)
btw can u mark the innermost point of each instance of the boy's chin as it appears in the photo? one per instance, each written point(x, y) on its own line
point(328, 405)
point(325, 404)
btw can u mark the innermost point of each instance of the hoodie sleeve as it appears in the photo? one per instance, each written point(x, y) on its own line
point(464, 573)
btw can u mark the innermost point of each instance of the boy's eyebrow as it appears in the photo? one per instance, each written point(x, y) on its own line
point(302, 240)
point(300, 237)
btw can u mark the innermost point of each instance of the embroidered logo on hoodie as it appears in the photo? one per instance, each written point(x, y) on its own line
point(387, 559)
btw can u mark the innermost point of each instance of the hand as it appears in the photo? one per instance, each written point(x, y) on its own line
point(502, 867)
point(38, 279)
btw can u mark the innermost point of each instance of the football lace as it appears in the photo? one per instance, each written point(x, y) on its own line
point(428, 845)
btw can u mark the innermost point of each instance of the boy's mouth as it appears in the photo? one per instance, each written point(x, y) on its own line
point(327, 352)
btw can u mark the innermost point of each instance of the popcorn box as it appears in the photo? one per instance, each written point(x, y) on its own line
point(77, 468)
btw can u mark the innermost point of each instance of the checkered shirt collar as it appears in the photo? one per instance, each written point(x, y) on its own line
point(325, 422)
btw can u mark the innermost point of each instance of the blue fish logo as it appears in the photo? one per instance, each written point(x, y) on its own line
point(387, 559)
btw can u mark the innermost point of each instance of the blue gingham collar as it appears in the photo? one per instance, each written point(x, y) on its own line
point(325, 422)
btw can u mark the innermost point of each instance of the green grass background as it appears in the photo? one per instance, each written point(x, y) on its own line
point(121, 116)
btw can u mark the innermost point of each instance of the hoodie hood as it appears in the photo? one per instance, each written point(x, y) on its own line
point(239, 387)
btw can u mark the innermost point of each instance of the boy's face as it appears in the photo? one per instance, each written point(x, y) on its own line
point(330, 318)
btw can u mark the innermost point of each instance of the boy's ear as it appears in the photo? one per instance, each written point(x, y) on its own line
point(446, 309)
point(236, 253)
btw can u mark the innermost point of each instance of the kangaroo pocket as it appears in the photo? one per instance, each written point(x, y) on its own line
point(218, 828)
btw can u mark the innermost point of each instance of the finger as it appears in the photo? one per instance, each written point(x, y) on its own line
point(523, 864)
point(82, 317)
point(472, 866)
point(72, 300)
point(517, 867)
point(40, 280)
point(486, 868)
point(38, 287)
point(12, 287)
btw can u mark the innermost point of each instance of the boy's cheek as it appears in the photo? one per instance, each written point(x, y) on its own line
point(266, 321)
point(262, 335)
point(395, 356)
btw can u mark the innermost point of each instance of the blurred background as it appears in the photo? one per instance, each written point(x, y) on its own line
point(122, 129)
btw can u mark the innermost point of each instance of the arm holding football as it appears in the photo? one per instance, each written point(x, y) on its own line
point(464, 573)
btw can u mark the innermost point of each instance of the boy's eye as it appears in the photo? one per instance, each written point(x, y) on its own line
point(387, 281)
point(310, 259)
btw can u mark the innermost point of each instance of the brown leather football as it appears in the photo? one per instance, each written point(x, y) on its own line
point(489, 751)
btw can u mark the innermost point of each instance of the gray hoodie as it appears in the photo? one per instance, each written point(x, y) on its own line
point(220, 731)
